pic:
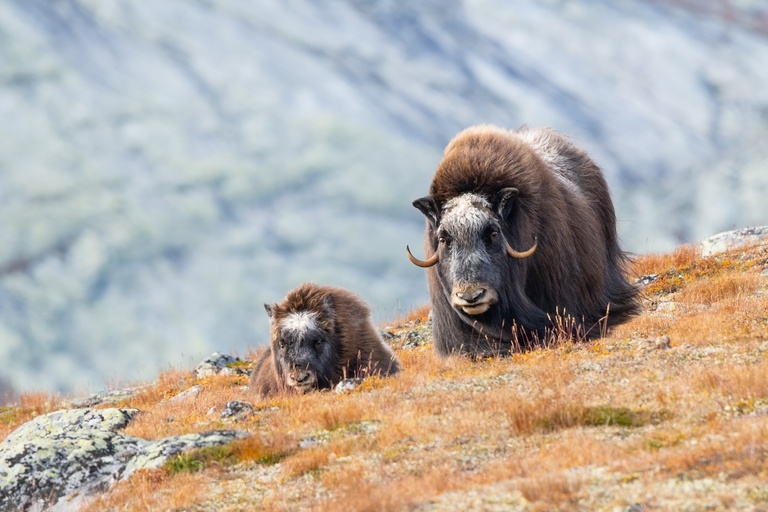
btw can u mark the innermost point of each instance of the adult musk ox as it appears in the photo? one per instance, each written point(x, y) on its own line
point(320, 335)
point(521, 243)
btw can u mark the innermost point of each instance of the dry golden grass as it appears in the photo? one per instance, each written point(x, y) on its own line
point(711, 290)
point(535, 425)
point(153, 489)
point(29, 406)
point(745, 382)
point(420, 314)
point(683, 256)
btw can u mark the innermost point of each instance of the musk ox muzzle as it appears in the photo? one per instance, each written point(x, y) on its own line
point(473, 298)
point(301, 379)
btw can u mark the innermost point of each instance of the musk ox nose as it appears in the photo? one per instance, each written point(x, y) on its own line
point(303, 378)
point(472, 295)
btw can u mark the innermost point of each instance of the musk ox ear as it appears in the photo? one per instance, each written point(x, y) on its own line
point(428, 207)
point(270, 309)
point(504, 200)
point(328, 305)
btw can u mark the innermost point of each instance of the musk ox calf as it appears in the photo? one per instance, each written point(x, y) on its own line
point(320, 335)
point(521, 238)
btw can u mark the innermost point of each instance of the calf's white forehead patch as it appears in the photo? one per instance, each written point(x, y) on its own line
point(299, 322)
point(467, 212)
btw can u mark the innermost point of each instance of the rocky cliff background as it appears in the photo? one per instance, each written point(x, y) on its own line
point(167, 167)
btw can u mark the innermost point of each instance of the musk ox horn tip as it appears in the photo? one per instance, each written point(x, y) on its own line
point(524, 254)
point(421, 263)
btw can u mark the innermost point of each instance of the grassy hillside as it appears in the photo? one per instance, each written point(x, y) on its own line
point(627, 420)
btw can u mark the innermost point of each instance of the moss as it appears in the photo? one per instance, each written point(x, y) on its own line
point(8, 414)
point(197, 460)
point(241, 363)
point(598, 416)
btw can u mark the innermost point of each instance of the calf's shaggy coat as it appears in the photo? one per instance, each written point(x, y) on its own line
point(496, 191)
point(320, 335)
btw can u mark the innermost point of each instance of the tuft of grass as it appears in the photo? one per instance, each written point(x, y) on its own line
point(310, 459)
point(551, 490)
point(713, 289)
point(30, 405)
point(683, 256)
point(417, 315)
point(264, 449)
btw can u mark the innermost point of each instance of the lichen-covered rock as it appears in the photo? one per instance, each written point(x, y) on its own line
point(154, 454)
point(61, 452)
point(218, 364)
point(58, 460)
point(237, 410)
point(732, 239)
point(111, 397)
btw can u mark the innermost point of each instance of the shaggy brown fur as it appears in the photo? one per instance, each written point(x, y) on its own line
point(559, 198)
point(320, 335)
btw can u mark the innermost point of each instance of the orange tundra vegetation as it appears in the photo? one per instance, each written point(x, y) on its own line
point(600, 424)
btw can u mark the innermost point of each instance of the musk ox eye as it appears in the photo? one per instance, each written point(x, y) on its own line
point(491, 235)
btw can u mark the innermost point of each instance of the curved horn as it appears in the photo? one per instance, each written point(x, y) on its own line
point(524, 254)
point(423, 264)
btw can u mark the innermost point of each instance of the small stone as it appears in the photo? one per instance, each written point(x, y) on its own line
point(667, 306)
point(347, 385)
point(216, 364)
point(237, 410)
point(662, 343)
point(648, 279)
point(309, 442)
point(187, 393)
point(658, 343)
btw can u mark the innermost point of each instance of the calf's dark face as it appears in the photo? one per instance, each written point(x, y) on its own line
point(468, 234)
point(304, 353)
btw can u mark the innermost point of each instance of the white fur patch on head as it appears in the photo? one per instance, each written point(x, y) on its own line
point(466, 213)
point(299, 322)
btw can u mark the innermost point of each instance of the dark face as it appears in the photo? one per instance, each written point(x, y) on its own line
point(471, 246)
point(304, 352)
point(473, 259)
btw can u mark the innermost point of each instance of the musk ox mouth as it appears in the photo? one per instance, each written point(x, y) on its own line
point(477, 309)
point(302, 382)
point(473, 300)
